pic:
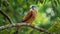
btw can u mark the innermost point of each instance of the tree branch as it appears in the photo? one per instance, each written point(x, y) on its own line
point(4, 14)
point(24, 24)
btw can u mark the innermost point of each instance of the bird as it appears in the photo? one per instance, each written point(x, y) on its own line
point(29, 17)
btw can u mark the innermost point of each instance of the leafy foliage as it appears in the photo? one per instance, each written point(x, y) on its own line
point(48, 15)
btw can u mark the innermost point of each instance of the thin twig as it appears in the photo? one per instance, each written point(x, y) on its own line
point(4, 14)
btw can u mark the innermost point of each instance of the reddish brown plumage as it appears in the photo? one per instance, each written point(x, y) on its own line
point(29, 18)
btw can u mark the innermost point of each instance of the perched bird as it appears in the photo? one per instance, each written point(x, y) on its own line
point(29, 17)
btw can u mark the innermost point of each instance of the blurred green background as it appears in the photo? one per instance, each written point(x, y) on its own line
point(48, 15)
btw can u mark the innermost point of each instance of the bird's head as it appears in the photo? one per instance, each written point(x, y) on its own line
point(33, 8)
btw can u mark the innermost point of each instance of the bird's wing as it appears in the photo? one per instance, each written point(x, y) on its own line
point(27, 16)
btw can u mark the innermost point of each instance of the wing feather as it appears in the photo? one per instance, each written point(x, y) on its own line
point(27, 16)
